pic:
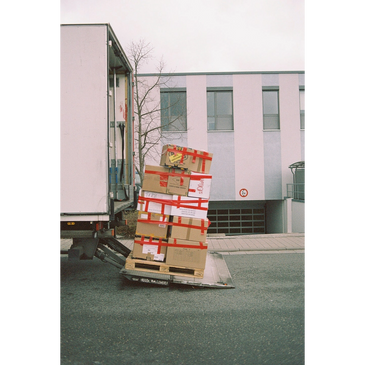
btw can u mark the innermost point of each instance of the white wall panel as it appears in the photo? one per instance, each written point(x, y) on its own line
point(84, 120)
point(291, 150)
point(196, 99)
point(248, 138)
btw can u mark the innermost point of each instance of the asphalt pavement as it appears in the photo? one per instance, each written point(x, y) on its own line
point(106, 319)
point(233, 245)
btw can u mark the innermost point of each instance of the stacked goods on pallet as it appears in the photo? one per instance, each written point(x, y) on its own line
point(172, 219)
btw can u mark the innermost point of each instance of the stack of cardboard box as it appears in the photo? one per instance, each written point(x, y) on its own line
point(172, 209)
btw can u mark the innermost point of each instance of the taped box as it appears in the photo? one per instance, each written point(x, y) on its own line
point(186, 158)
point(189, 207)
point(152, 224)
point(149, 201)
point(189, 254)
point(182, 206)
point(189, 229)
point(148, 249)
point(199, 186)
point(166, 180)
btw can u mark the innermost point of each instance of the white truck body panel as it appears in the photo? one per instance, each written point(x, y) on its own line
point(84, 120)
point(85, 218)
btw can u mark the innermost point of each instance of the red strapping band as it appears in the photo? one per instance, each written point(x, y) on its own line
point(142, 241)
point(203, 164)
point(196, 176)
point(178, 224)
point(184, 150)
point(165, 175)
point(150, 242)
point(177, 203)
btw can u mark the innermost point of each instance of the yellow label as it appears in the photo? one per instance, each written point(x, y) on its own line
point(175, 158)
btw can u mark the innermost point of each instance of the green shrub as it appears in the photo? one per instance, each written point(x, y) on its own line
point(130, 229)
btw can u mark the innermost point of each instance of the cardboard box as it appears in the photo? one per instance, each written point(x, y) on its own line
point(188, 257)
point(185, 206)
point(147, 224)
point(166, 180)
point(152, 202)
point(148, 251)
point(186, 158)
point(178, 182)
point(199, 186)
point(189, 229)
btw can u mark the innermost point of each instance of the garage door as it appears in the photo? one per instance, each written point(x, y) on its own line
point(237, 221)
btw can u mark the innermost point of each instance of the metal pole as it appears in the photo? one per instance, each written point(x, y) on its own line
point(115, 117)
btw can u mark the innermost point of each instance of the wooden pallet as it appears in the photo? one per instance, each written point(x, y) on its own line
point(161, 268)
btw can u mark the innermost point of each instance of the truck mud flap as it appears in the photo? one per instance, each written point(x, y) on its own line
point(216, 275)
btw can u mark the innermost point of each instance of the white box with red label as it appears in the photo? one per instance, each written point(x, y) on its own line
point(199, 186)
point(185, 206)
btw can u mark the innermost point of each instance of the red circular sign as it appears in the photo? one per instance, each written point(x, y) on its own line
point(243, 193)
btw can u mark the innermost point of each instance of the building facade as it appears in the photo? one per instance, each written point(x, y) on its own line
point(254, 124)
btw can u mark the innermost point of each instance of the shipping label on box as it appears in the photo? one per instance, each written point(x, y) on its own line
point(173, 156)
point(186, 158)
point(148, 249)
point(189, 207)
point(188, 254)
point(152, 224)
point(199, 186)
point(189, 229)
point(152, 202)
point(153, 250)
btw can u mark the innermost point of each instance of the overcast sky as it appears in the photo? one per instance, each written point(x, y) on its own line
point(203, 35)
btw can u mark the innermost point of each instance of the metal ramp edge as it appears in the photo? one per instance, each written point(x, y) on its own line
point(216, 275)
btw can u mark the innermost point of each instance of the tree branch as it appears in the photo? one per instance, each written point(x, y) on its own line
point(148, 128)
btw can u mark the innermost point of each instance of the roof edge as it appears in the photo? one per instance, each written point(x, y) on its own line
point(221, 73)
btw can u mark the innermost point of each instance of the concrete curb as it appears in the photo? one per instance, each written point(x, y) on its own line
point(263, 243)
point(257, 249)
point(263, 252)
point(256, 236)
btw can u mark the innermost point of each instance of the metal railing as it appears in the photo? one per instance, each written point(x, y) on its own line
point(296, 191)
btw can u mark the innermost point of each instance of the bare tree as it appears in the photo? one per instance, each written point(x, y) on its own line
point(148, 129)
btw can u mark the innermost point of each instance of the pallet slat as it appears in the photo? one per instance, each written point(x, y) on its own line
point(162, 268)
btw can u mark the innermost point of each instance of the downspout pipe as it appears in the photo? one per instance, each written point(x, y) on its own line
point(115, 119)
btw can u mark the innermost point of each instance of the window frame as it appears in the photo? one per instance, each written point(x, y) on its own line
point(217, 90)
point(302, 111)
point(170, 91)
point(277, 91)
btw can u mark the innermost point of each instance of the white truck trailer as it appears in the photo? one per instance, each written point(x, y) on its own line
point(97, 170)
point(97, 153)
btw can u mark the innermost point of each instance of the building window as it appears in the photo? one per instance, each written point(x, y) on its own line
point(220, 110)
point(270, 101)
point(173, 111)
point(302, 109)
